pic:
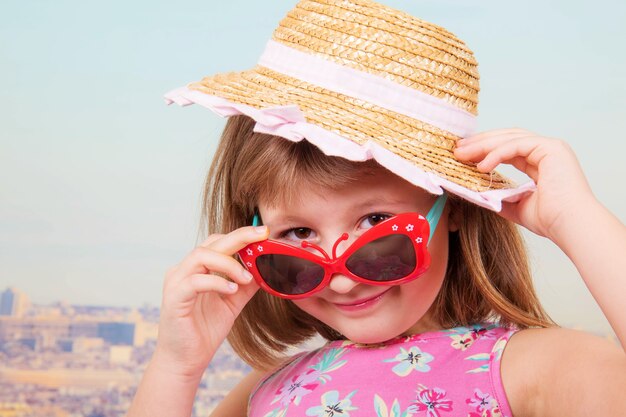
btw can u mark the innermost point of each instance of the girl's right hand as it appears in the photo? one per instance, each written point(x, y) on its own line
point(198, 307)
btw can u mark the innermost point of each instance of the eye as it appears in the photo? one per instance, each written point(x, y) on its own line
point(297, 233)
point(373, 219)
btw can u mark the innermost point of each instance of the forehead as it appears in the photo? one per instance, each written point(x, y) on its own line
point(378, 189)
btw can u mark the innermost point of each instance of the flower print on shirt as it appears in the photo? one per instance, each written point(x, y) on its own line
point(479, 357)
point(302, 384)
point(329, 362)
point(484, 404)
point(488, 357)
point(332, 406)
point(297, 387)
point(462, 341)
point(451, 388)
point(464, 337)
point(394, 411)
point(279, 412)
point(498, 347)
point(432, 401)
point(481, 401)
point(494, 412)
point(409, 360)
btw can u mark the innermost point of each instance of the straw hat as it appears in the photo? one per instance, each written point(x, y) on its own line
point(362, 80)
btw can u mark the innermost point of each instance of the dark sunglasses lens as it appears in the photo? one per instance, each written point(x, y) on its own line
point(388, 258)
point(288, 274)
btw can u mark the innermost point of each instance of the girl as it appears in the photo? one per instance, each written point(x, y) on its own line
point(343, 202)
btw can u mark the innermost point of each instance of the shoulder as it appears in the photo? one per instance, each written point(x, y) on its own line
point(564, 372)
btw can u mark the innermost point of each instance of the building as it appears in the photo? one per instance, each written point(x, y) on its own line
point(13, 303)
point(117, 333)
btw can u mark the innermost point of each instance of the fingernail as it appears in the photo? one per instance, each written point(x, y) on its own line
point(247, 276)
point(260, 229)
point(232, 286)
point(460, 143)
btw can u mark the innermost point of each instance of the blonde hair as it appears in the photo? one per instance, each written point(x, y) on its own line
point(487, 277)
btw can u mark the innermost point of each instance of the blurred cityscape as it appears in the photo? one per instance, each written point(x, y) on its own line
point(65, 360)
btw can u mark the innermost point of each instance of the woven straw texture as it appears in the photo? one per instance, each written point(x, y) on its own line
point(376, 39)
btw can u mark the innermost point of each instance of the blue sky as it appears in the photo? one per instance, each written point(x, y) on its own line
point(100, 180)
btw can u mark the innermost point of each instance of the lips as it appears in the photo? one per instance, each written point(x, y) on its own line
point(363, 302)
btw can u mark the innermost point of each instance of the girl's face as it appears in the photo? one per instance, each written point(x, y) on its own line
point(363, 313)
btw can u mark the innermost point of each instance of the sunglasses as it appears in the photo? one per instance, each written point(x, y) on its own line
point(392, 252)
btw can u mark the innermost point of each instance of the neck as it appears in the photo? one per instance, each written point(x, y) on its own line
point(423, 325)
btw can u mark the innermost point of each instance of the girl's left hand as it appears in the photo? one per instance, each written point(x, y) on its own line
point(562, 189)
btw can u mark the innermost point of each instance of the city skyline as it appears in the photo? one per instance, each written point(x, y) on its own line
point(67, 360)
point(102, 181)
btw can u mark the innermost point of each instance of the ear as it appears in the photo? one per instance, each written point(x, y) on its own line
point(453, 220)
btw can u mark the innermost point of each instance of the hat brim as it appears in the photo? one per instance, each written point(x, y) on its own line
point(350, 128)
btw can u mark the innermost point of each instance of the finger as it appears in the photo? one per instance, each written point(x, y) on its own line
point(478, 148)
point(188, 289)
point(522, 165)
point(216, 256)
point(203, 260)
point(495, 132)
point(234, 294)
point(240, 298)
point(508, 151)
point(212, 238)
point(236, 240)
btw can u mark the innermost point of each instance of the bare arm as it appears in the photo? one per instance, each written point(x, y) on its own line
point(563, 209)
point(198, 310)
point(595, 241)
point(560, 372)
point(164, 391)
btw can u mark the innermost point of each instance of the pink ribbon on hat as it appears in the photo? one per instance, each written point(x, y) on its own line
point(314, 69)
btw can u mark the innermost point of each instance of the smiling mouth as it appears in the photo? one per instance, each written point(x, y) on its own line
point(366, 302)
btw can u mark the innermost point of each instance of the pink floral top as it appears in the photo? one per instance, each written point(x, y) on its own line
point(447, 373)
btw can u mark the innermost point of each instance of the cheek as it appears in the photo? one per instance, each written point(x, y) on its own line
point(308, 305)
point(426, 287)
point(318, 309)
point(423, 291)
point(438, 259)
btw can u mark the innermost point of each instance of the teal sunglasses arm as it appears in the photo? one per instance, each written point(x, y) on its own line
point(434, 214)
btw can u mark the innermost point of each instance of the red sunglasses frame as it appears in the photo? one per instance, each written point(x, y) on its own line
point(411, 224)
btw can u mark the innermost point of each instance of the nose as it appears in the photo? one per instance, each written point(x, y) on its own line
point(341, 284)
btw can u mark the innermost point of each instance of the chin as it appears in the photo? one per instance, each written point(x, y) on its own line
point(371, 334)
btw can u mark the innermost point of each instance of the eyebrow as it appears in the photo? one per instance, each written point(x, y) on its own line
point(371, 202)
point(288, 219)
point(381, 200)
